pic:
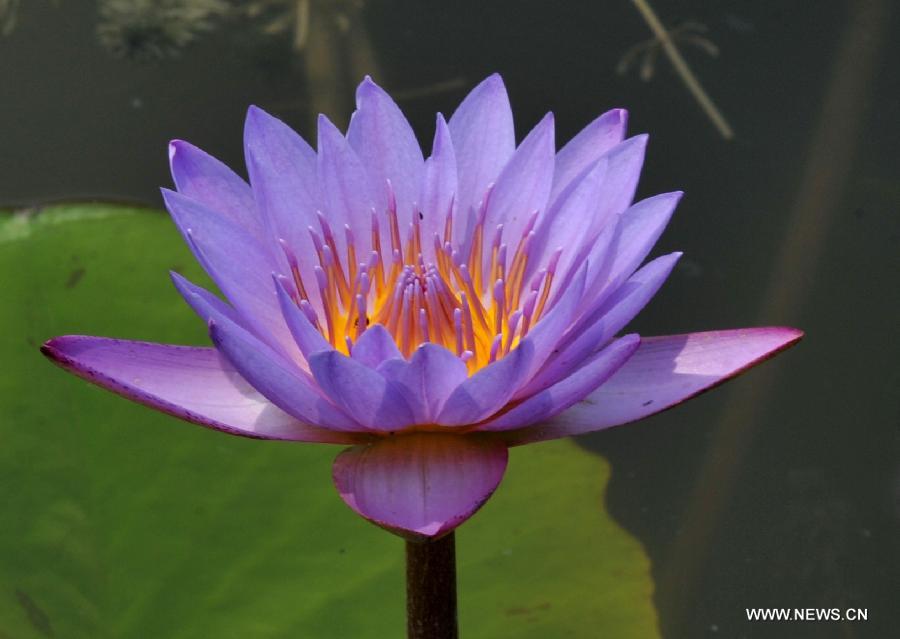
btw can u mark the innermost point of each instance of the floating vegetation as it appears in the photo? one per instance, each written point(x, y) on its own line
point(155, 29)
point(688, 32)
point(665, 41)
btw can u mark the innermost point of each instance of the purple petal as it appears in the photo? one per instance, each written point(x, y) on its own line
point(623, 169)
point(523, 186)
point(438, 186)
point(624, 163)
point(282, 169)
point(308, 339)
point(422, 485)
point(488, 390)
point(574, 388)
point(427, 380)
point(663, 372)
point(388, 149)
point(585, 339)
point(280, 381)
point(548, 331)
point(374, 346)
point(205, 179)
point(587, 146)
point(620, 178)
point(639, 229)
point(642, 224)
point(194, 384)
point(484, 140)
point(563, 226)
point(204, 303)
point(246, 281)
point(362, 392)
point(348, 196)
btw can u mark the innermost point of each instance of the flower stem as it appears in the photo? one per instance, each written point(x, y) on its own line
point(431, 589)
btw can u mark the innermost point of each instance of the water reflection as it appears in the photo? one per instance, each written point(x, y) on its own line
point(155, 29)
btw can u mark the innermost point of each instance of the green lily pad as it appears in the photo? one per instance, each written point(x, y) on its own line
point(122, 522)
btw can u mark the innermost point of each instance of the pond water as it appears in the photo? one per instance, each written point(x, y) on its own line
point(780, 489)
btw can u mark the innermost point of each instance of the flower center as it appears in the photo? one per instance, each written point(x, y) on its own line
point(477, 305)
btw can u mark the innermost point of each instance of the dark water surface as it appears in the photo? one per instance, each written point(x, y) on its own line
point(779, 490)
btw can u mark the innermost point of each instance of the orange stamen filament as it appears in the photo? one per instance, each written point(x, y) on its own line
point(478, 305)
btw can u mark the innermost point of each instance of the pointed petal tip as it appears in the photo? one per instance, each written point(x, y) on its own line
point(175, 146)
point(495, 78)
point(254, 118)
point(254, 112)
point(53, 348)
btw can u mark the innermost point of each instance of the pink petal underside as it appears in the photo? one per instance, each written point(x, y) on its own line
point(388, 149)
point(205, 179)
point(484, 139)
point(664, 371)
point(194, 384)
point(423, 485)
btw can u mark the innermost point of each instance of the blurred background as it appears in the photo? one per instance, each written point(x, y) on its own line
point(780, 489)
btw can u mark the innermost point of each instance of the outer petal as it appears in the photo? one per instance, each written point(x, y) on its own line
point(246, 282)
point(523, 186)
point(308, 339)
point(614, 260)
point(564, 224)
point(587, 146)
point(282, 169)
point(421, 485)
point(276, 378)
point(624, 163)
point(620, 177)
point(362, 392)
point(664, 371)
point(548, 331)
point(194, 384)
point(203, 178)
point(585, 338)
point(573, 388)
point(204, 303)
point(642, 224)
point(388, 149)
point(484, 140)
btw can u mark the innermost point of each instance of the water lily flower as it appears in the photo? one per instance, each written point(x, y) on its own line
point(431, 313)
